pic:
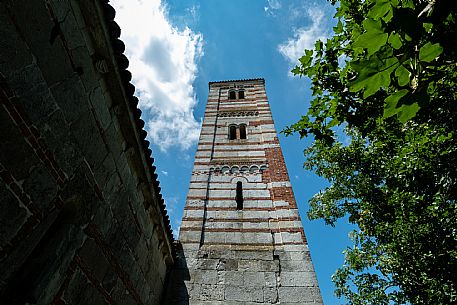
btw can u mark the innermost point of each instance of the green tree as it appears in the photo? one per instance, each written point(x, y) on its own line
point(388, 78)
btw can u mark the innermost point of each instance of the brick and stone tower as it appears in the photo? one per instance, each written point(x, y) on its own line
point(241, 238)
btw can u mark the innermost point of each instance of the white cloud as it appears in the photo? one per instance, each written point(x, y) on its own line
point(194, 11)
point(272, 5)
point(171, 204)
point(163, 61)
point(165, 173)
point(305, 37)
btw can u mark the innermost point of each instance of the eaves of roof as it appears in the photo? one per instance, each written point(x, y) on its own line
point(118, 47)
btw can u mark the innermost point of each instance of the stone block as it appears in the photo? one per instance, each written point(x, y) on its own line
point(254, 279)
point(254, 255)
point(299, 294)
point(194, 213)
point(249, 265)
point(204, 276)
point(208, 264)
point(80, 290)
point(100, 106)
point(215, 237)
point(269, 265)
point(121, 295)
point(298, 279)
point(94, 259)
point(291, 237)
point(270, 294)
point(212, 292)
point(270, 279)
point(300, 265)
point(83, 61)
point(71, 97)
point(243, 294)
point(33, 93)
point(89, 140)
point(234, 278)
point(70, 29)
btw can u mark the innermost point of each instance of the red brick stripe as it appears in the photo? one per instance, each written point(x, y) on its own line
point(225, 208)
point(255, 220)
point(245, 244)
point(224, 198)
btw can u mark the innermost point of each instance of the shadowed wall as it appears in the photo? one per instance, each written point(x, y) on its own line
point(82, 220)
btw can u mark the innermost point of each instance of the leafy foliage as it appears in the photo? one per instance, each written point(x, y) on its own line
point(388, 76)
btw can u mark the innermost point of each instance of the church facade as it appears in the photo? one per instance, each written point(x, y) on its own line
point(82, 217)
point(241, 240)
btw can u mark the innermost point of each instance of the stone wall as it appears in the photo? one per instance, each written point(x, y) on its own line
point(82, 220)
point(254, 255)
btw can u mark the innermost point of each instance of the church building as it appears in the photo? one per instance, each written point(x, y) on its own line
point(83, 220)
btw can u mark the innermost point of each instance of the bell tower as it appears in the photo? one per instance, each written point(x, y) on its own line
point(241, 237)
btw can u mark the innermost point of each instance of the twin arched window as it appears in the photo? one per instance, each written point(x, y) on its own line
point(237, 132)
point(233, 94)
point(242, 131)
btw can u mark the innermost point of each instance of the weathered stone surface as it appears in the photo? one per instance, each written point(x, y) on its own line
point(211, 292)
point(299, 294)
point(270, 294)
point(298, 279)
point(81, 221)
point(257, 251)
point(237, 293)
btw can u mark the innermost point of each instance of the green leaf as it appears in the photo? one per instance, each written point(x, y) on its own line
point(391, 103)
point(408, 4)
point(427, 26)
point(431, 88)
point(374, 37)
point(380, 9)
point(338, 29)
point(306, 59)
point(430, 51)
point(404, 104)
point(402, 75)
point(394, 41)
point(408, 112)
point(373, 74)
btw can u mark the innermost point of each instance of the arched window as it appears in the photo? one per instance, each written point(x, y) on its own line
point(237, 132)
point(241, 94)
point(239, 195)
point(232, 95)
point(244, 169)
point(242, 131)
point(232, 132)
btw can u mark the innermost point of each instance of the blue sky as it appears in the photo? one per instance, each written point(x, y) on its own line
point(176, 47)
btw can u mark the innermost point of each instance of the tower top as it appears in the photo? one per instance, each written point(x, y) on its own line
point(222, 82)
